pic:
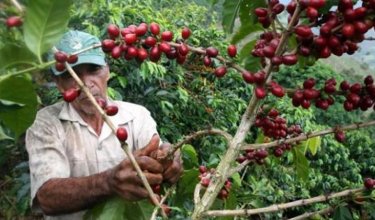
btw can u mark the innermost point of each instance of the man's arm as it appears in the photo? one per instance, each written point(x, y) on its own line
point(67, 195)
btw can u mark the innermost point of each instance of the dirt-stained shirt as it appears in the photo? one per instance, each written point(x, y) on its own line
point(61, 145)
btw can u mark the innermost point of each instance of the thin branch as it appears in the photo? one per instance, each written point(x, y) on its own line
point(310, 214)
point(128, 152)
point(303, 137)
point(279, 207)
point(17, 5)
point(197, 192)
point(239, 167)
point(198, 134)
point(162, 200)
point(370, 38)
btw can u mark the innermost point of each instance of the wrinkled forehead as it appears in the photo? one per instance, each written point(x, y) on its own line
point(82, 68)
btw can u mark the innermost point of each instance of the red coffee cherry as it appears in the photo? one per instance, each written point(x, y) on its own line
point(113, 31)
point(154, 28)
point(13, 21)
point(71, 94)
point(260, 92)
point(220, 71)
point(232, 50)
point(61, 56)
point(340, 136)
point(111, 110)
point(167, 36)
point(108, 45)
point(60, 66)
point(141, 29)
point(369, 183)
point(185, 33)
point(212, 52)
point(72, 59)
point(122, 134)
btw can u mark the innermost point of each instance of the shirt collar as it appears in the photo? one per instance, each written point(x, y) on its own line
point(123, 116)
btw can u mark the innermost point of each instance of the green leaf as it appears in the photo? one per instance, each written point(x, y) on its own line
point(114, 94)
point(342, 213)
point(301, 164)
point(313, 144)
point(6, 105)
point(18, 89)
point(186, 186)
point(189, 156)
point(3, 136)
point(249, 24)
point(117, 208)
point(244, 31)
point(230, 12)
point(45, 23)
point(11, 55)
point(250, 63)
point(236, 179)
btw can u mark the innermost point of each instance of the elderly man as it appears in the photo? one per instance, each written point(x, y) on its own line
point(75, 159)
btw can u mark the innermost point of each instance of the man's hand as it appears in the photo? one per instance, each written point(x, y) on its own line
point(172, 168)
point(124, 179)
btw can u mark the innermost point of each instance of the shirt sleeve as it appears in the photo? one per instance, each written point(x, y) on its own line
point(146, 128)
point(47, 157)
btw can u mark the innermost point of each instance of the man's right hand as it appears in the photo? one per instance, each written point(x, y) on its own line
point(124, 179)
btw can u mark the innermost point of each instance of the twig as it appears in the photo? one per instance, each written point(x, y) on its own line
point(310, 214)
point(17, 5)
point(279, 207)
point(162, 200)
point(303, 137)
point(197, 134)
point(197, 191)
point(114, 129)
point(239, 167)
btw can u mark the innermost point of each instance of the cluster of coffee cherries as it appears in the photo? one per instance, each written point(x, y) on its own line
point(143, 41)
point(205, 179)
point(13, 21)
point(266, 14)
point(274, 127)
point(306, 96)
point(61, 57)
point(266, 47)
point(358, 95)
point(369, 183)
point(261, 88)
point(339, 31)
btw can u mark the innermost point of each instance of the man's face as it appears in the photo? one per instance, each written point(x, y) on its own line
point(94, 77)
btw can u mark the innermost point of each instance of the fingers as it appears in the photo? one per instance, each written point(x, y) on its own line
point(174, 169)
point(150, 147)
point(173, 172)
point(149, 164)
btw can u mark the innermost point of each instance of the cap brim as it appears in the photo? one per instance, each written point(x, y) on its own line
point(84, 59)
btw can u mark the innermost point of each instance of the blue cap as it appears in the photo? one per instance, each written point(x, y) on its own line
point(73, 41)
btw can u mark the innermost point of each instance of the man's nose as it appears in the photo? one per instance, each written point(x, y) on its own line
point(87, 79)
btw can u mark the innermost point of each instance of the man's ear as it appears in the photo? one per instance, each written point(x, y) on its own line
point(106, 68)
point(56, 79)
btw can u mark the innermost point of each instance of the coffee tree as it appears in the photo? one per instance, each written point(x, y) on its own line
point(314, 30)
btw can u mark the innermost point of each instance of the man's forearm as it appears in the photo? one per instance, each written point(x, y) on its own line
point(67, 195)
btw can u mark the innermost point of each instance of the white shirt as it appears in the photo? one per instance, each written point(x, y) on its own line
point(61, 145)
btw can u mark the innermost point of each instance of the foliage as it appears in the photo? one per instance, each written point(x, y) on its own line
point(183, 99)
